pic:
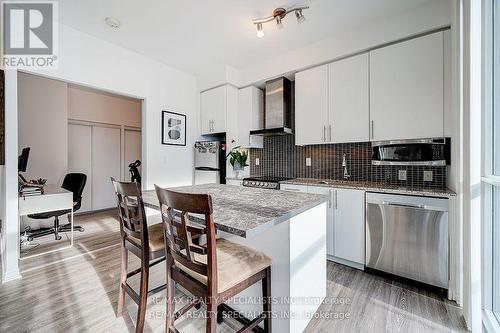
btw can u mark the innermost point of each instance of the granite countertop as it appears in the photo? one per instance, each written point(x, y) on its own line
point(245, 211)
point(372, 186)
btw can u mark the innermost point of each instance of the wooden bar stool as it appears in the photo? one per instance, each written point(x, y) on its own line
point(135, 233)
point(214, 272)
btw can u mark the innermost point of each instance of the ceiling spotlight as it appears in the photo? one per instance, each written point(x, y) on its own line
point(278, 15)
point(300, 17)
point(260, 30)
point(279, 24)
point(112, 22)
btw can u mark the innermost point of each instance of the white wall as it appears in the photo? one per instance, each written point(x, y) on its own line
point(91, 105)
point(91, 62)
point(43, 126)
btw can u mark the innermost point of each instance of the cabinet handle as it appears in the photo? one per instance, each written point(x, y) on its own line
point(373, 135)
point(324, 133)
point(336, 198)
point(330, 132)
point(330, 198)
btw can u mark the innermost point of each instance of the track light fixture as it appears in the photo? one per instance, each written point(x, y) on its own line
point(278, 15)
point(260, 30)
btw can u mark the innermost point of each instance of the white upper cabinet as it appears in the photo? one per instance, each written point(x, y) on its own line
point(349, 112)
point(214, 106)
point(407, 89)
point(250, 116)
point(311, 106)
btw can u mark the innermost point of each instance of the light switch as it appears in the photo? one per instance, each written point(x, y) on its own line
point(308, 161)
point(402, 175)
point(257, 161)
point(428, 176)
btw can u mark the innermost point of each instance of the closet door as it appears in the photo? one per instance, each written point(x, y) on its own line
point(106, 157)
point(132, 142)
point(80, 159)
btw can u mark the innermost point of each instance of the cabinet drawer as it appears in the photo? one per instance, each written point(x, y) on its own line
point(293, 187)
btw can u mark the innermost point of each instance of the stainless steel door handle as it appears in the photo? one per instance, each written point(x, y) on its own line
point(324, 133)
point(372, 134)
point(404, 205)
point(330, 132)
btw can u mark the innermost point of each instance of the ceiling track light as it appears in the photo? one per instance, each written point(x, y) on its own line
point(278, 15)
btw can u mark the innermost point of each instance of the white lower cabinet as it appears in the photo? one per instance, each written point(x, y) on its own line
point(330, 216)
point(349, 226)
point(346, 224)
point(293, 188)
point(235, 182)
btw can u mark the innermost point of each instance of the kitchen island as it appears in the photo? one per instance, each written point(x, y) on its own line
point(290, 228)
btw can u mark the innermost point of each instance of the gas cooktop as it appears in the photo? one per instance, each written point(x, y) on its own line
point(269, 182)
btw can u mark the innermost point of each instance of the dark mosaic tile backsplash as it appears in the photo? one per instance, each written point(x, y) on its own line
point(280, 157)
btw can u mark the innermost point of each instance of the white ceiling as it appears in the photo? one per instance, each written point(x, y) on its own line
point(193, 34)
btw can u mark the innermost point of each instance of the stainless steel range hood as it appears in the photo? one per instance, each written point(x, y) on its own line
point(278, 108)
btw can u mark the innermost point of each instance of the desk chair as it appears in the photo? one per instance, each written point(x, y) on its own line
point(74, 182)
point(214, 272)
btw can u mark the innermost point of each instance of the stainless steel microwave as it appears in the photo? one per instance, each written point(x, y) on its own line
point(430, 152)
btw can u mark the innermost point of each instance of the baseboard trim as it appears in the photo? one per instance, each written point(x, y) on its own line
point(349, 263)
point(10, 276)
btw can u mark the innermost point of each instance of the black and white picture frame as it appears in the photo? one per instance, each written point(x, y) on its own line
point(173, 128)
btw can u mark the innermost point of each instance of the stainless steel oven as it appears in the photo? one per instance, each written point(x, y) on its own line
point(408, 236)
point(432, 152)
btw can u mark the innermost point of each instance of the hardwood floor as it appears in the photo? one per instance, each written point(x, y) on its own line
point(76, 290)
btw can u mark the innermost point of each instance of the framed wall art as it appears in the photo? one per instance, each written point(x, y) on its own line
point(173, 128)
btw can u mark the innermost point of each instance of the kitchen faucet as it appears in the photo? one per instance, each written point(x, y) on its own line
point(344, 165)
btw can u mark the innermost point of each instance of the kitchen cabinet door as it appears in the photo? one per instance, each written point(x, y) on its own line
point(349, 114)
point(330, 216)
point(250, 116)
point(213, 110)
point(311, 106)
point(349, 226)
point(407, 89)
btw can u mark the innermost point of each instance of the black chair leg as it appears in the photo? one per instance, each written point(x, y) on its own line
point(56, 228)
point(39, 233)
point(67, 227)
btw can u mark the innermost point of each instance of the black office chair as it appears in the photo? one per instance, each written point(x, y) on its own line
point(74, 182)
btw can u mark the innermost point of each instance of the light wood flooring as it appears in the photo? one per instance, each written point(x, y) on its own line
point(76, 290)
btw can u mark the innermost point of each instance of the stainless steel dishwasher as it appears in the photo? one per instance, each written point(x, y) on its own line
point(408, 236)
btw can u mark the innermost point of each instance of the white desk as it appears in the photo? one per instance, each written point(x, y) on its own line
point(53, 198)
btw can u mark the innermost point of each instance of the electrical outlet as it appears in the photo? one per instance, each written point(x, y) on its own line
point(308, 161)
point(402, 175)
point(257, 161)
point(428, 176)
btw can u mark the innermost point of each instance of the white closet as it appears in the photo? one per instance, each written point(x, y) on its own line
point(101, 151)
point(132, 150)
point(80, 158)
point(106, 163)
